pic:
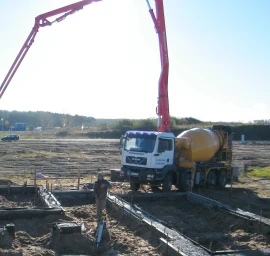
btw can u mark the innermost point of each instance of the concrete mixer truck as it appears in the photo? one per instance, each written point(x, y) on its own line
point(197, 157)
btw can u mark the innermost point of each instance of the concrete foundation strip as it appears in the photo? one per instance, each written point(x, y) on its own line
point(237, 212)
point(172, 241)
point(184, 246)
point(51, 206)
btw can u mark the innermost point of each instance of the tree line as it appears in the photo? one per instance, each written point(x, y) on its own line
point(49, 120)
point(178, 125)
point(42, 119)
point(114, 128)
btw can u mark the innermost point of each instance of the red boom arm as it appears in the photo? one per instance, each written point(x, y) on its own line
point(159, 21)
point(163, 100)
point(40, 21)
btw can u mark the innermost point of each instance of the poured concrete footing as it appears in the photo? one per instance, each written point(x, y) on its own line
point(75, 197)
point(171, 241)
point(260, 221)
point(48, 201)
point(14, 189)
point(186, 247)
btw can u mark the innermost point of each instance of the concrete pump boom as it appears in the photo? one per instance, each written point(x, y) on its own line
point(40, 21)
point(163, 100)
point(159, 22)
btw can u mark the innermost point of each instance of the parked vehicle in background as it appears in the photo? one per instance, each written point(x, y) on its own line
point(10, 137)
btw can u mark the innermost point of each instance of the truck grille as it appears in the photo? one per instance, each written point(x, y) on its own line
point(136, 160)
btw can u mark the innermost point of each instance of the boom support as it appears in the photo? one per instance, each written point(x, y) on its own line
point(163, 100)
point(40, 21)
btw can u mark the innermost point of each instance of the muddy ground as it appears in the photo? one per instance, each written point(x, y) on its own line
point(59, 159)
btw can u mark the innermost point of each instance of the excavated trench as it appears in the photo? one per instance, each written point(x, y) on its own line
point(61, 233)
point(190, 224)
point(146, 226)
point(137, 224)
point(212, 227)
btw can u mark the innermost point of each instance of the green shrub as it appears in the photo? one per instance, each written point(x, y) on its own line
point(259, 172)
point(62, 134)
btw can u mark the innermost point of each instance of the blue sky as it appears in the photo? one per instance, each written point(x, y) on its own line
point(103, 61)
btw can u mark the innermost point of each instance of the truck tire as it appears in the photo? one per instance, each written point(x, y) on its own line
point(167, 183)
point(184, 184)
point(222, 179)
point(211, 180)
point(134, 186)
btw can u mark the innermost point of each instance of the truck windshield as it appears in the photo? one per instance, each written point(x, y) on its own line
point(140, 143)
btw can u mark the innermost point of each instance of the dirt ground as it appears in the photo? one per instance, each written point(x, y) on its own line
point(35, 236)
point(61, 159)
point(211, 228)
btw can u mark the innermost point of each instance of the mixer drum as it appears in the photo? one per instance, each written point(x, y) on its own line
point(198, 145)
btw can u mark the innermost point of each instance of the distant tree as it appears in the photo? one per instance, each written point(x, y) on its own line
point(78, 121)
point(147, 124)
point(30, 127)
point(66, 120)
point(103, 126)
point(172, 123)
point(46, 119)
point(6, 123)
point(123, 125)
point(184, 121)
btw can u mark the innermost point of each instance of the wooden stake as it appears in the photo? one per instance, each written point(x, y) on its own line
point(35, 178)
point(79, 177)
point(9, 188)
point(231, 182)
point(260, 220)
point(24, 187)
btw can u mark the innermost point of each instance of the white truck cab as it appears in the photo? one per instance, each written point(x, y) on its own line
point(147, 156)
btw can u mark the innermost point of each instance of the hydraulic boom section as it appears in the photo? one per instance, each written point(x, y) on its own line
point(159, 22)
point(40, 21)
point(163, 100)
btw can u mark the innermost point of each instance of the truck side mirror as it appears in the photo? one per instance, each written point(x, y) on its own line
point(121, 143)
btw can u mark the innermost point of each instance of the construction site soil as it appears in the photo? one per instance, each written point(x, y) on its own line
point(60, 161)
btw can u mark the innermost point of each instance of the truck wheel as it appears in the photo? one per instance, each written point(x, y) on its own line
point(185, 180)
point(134, 186)
point(222, 179)
point(167, 183)
point(211, 180)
